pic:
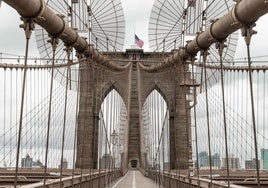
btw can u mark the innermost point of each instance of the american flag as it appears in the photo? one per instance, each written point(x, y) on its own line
point(138, 41)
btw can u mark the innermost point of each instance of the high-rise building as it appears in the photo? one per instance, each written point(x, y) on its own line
point(264, 158)
point(38, 163)
point(251, 164)
point(233, 162)
point(203, 159)
point(216, 161)
point(64, 164)
point(27, 162)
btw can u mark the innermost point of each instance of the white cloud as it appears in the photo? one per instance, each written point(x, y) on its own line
point(137, 15)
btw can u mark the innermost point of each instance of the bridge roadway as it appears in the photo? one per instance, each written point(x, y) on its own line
point(134, 179)
point(33, 177)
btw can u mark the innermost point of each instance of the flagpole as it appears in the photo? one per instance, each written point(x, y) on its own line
point(134, 34)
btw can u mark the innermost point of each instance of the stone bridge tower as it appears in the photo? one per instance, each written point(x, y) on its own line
point(134, 84)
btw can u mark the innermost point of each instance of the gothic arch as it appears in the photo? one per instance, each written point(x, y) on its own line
point(105, 90)
point(160, 89)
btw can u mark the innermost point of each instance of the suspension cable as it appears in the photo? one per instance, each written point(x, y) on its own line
point(247, 33)
point(195, 122)
point(205, 54)
point(54, 43)
point(221, 46)
point(28, 26)
point(68, 51)
point(4, 158)
point(76, 126)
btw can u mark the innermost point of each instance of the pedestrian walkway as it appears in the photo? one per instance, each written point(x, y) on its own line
point(135, 179)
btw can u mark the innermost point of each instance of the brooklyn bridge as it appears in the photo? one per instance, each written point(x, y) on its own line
point(185, 108)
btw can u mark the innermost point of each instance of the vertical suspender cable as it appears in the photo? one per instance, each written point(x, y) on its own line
point(205, 53)
point(64, 117)
point(159, 122)
point(76, 124)
point(17, 100)
point(54, 46)
point(114, 128)
point(28, 27)
point(10, 116)
point(195, 126)
point(163, 135)
point(247, 33)
point(242, 107)
point(156, 136)
point(220, 46)
point(107, 168)
point(36, 99)
point(43, 92)
point(236, 116)
point(30, 104)
point(4, 157)
point(98, 142)
point(110, 116)
point(264, 118)
point(77, 101)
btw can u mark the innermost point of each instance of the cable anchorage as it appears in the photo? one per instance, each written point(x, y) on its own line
point(28, 25)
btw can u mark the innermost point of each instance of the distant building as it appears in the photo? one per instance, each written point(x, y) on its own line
point(251, 164)
point(216, 161)
point(64, 164)
point(203, 159)
point(233, 162)
point(38, 163)
point(264, 158)
point(27, 162)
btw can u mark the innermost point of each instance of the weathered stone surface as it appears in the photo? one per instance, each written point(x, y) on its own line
point(134, 85)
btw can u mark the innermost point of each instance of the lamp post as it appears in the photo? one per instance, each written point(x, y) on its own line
point(114, 137)
point(189, 86)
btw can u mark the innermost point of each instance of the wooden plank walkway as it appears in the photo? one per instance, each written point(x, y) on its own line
point(135, 179)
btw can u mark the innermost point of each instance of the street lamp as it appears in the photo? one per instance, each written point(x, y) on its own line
point(191, 84)
point(114, 137)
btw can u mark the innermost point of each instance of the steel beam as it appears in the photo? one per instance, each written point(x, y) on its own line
point(57, 27)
